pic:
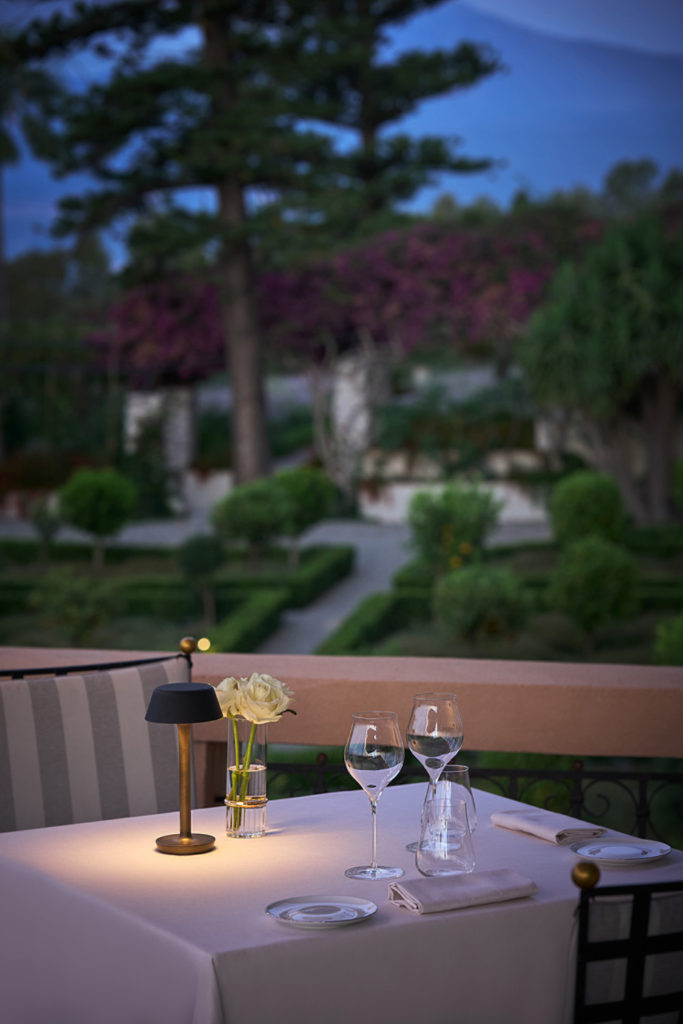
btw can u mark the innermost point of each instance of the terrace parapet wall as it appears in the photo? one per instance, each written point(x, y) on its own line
point(533, 707)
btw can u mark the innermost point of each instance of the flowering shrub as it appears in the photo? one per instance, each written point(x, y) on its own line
point(448, 527)
point(474, 287)
point(165, 332)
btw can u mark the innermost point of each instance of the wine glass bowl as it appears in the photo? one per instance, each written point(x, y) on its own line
point(373, 757)
point(435, 731)
point(434, 735)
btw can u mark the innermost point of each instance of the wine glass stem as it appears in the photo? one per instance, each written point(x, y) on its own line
point(373, 805)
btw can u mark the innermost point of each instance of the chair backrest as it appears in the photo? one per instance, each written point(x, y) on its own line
point(629, 964)
point(75, 746)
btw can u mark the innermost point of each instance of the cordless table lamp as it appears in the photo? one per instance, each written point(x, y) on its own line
point(182, 704)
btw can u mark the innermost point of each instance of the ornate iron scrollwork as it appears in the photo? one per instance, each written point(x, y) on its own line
point(645, 804)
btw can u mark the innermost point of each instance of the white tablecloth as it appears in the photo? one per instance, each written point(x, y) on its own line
point(100, 928)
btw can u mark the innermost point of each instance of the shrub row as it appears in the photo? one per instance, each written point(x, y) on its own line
point(382, 614)
point(657, 541)
point(375, 617)
point(169, 597)
point(318, 569)
point(172, 596)
point(654, 593)
point(14, 595)
point(251, 622)
point(416, 578)
point(245, 620)
point(25, 552)
point(660, 593)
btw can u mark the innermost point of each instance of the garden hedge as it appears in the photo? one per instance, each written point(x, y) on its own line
point(319, 568)
point(375, 617)
point(251, 623)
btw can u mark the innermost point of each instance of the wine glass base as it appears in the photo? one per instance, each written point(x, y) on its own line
point(368, 871)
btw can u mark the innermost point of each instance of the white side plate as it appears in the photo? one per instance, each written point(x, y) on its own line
point(321, 911)
point(620, 852)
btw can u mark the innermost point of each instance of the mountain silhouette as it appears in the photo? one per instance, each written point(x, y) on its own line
point(560, 115)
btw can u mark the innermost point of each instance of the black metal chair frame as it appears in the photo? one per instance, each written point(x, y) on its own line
point(634, 950)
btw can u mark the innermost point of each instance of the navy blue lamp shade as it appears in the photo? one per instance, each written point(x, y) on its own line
point(183, 702)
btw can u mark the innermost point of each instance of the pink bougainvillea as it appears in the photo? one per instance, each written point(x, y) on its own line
point(168, 332)
point(468, 288)
point(473, 289)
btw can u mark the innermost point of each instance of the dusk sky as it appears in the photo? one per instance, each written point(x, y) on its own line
point(587, 83)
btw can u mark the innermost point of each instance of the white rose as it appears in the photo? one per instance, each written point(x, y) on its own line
point(260, 699)
point(228, 696)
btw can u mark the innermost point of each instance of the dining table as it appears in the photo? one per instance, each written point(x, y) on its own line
point(99, 927)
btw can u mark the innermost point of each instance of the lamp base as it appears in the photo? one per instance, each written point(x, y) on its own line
point(198, 842)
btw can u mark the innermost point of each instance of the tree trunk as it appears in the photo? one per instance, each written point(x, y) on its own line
point(660, 400)
point(4, 298)
point(344, 392)
point(244, 356)
point(4, 304)
point(178, 431)
point(98, 555)
point(611, 445)
point(242, 336)
point(208, 604)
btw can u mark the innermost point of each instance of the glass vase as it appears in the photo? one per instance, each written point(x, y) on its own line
point(246, 796)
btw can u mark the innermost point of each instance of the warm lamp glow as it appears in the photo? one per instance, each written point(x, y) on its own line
point(203, 644)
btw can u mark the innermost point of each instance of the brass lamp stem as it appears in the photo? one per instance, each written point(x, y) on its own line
point(185, 841)
point(184, 748)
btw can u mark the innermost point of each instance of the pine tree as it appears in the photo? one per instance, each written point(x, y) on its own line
point(216, 117)
point(352, 86)
point(232, 117)
point(24, 93)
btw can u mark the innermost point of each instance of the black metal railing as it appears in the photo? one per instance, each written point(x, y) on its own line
point(644, 803)
point(640, 803)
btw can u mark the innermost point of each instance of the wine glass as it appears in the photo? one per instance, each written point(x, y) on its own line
point(373, 756)
point(434, 735)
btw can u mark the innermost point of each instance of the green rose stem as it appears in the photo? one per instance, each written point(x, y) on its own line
point(241, 770)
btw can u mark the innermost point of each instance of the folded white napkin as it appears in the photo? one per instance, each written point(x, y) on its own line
point(451, 892)
point(555, 828)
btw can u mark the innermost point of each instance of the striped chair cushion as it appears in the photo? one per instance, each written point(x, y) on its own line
point(77, 747)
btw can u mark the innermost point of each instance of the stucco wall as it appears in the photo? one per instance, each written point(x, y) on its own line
point(537, 707)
